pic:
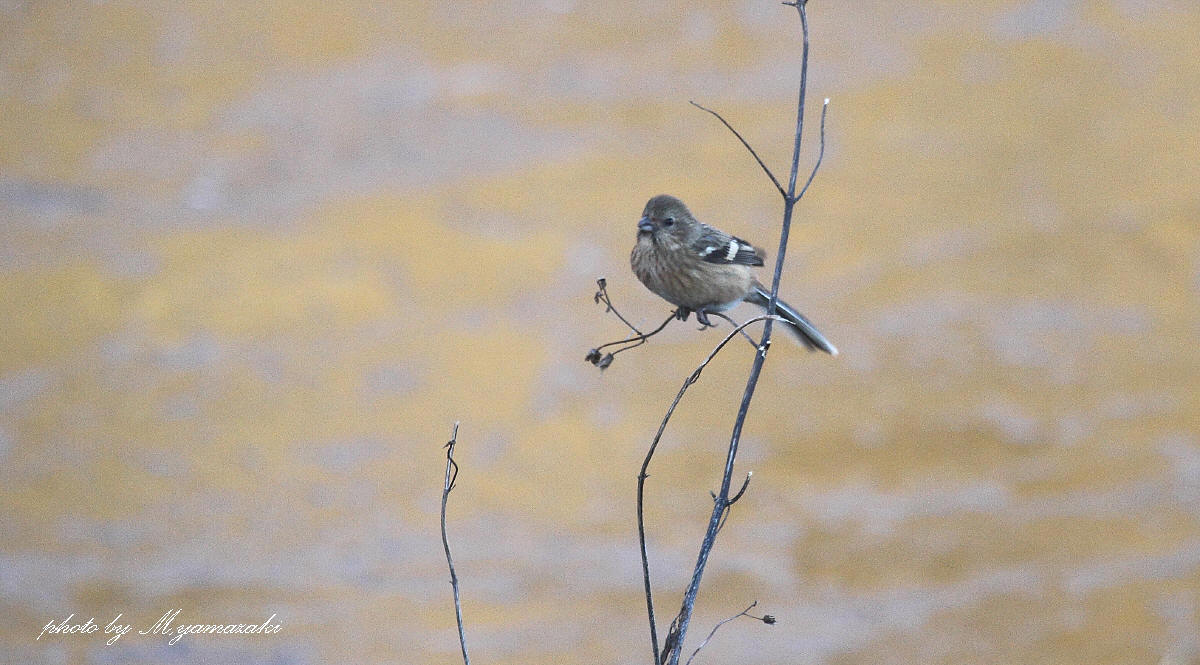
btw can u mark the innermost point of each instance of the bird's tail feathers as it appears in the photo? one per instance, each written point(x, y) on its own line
point(800, 326)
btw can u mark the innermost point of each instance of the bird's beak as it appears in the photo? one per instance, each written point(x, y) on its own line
point(645, 225)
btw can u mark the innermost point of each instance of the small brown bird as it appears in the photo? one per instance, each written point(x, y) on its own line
point(700, 269)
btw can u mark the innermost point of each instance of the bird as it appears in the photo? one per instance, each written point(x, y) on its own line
point(704, 270)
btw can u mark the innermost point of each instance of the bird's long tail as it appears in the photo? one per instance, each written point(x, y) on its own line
point(800, 326)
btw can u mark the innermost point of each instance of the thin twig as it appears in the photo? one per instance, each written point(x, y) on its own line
point(733, 500)
point(640, 338)
point(602, 297)
point(800, 7)
point(743, 613)
point(673, 643)
point(820, 153)
point(745, 484)
point(735, 133)
point(642, 476)
point(735, 323)
point(451, 477)
point(604, 360)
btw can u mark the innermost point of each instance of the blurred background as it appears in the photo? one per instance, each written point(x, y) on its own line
point(256, 259)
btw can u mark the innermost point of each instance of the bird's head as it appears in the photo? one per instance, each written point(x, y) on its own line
point(664, 216)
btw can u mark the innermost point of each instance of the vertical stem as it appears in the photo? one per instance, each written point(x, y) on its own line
point(641, 495)
point(721, 501)
point(800, 7)
point(451, 476)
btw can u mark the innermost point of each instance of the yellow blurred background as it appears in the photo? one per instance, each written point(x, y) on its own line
point(256, 258)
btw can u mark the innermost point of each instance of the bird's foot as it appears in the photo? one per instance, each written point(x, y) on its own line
point(702, 317)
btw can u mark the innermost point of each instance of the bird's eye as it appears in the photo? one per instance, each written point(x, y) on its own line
point(670, 221)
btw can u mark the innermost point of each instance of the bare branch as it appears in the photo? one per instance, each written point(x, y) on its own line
point(451, 477)
point(733, 500)
point(752, 152)
point(673, 643)
point(735, 324)
point(820, 153)
point(604, 360)
point(602, 297)
point(800, 7)
point(643, 475)
point(743, 613)
point(745, 484)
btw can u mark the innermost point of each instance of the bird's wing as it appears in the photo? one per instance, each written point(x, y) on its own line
point(717, 246)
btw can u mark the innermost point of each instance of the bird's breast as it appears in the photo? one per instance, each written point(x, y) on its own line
point(685, 280)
